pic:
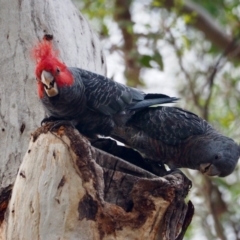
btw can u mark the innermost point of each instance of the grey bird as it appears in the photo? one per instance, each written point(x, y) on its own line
point(93, 103)
point(180, 139)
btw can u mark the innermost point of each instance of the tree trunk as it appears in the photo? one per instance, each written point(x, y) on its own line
point(64, 188)
point(22, 24)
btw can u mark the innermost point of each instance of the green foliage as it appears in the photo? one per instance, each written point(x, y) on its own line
point(97, 11)
point(152, 61)
point(189, 18)
point(157, 3)
point(225, 11)
point(215, 8)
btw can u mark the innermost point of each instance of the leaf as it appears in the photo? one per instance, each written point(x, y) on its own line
point(157, 57)
point(186, 42)
point(145, 61)
point(154, 61)
point(105, 30)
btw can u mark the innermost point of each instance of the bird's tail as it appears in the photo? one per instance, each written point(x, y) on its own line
point(153, 100)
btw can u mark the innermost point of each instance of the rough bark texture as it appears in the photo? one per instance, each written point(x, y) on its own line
point(66, 189)
point(22, 24)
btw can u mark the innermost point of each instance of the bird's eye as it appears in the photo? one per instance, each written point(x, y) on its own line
point(57, 70)
point(216, 157)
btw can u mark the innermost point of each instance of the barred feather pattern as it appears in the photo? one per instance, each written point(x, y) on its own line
point(96, 103)
point(178, 138)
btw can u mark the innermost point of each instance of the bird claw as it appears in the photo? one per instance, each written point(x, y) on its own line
point(157, 168)
point(59, 123)
point(48, 119)
point(56, 123)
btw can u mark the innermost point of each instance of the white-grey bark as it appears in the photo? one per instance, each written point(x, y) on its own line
point(22, 24)
point(62, 192)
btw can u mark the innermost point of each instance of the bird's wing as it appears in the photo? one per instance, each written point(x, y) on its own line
point(104, 95)
point(169, 124)
point(110, 97)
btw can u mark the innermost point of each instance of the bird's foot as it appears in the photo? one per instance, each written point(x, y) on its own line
point(56, 123)
point(174, 171)
point(49, 119)
point(157, 168)
point(59, 123)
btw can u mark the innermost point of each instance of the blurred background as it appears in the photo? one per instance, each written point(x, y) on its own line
point(186, 49)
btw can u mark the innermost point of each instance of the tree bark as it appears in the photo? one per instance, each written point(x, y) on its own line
point(22, 24)
point(66, 189)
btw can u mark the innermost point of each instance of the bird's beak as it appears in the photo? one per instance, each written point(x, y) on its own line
point(49, 83)
point(209, 169)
